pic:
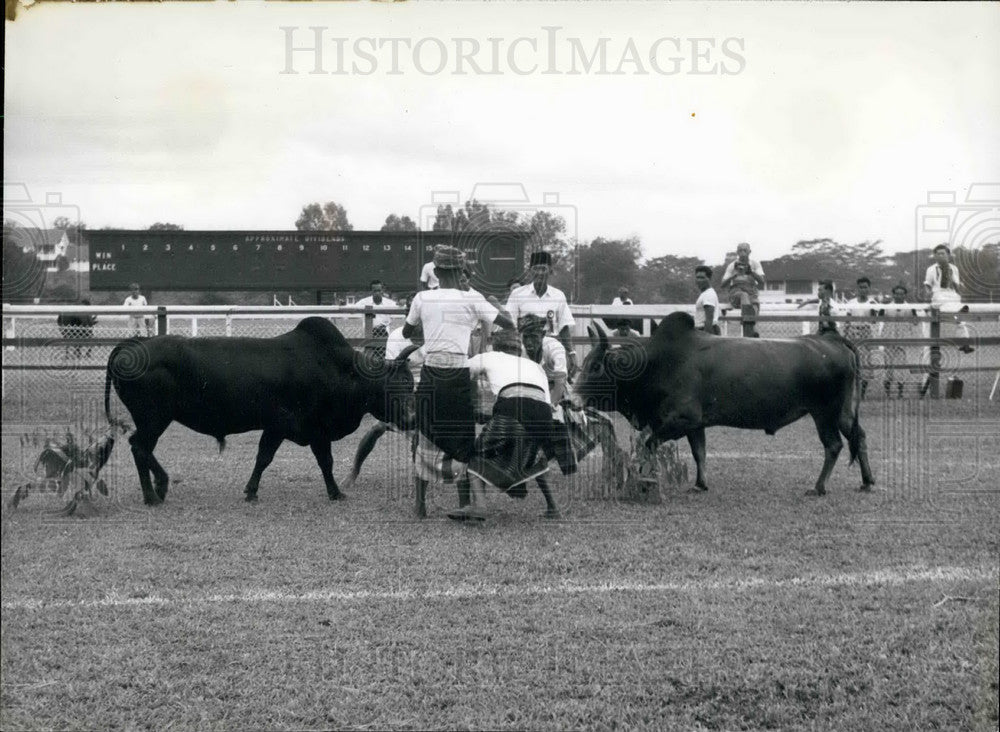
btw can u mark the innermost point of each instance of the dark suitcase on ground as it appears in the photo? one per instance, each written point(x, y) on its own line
point(953, 389)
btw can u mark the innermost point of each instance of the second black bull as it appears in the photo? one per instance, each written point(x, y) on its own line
point(308, 386)
point(683, 381)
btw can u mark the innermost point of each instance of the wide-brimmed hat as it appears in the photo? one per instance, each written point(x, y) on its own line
point(446, 257)
point(530, 322)
point(540, 258)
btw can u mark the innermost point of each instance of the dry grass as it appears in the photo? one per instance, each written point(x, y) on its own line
point(751, 606)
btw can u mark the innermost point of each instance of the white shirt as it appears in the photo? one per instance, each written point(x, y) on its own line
point(427, 275)
point(379, 319)
point(135, 302)
point(551, 306)
point(503, 369)
point(707, 297)
point(619, 301)
point(856, 306)
point(394, 346)
point(553, 358)
point(940, 295)
point(448, 317)
point(731, 271)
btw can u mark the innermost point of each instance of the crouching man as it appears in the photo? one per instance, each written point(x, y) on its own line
point(521, 435)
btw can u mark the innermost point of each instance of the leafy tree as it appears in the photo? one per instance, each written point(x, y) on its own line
point(445, 219)
point(667, 279)
point(23, 274)
point(843, 263)
point(164, 226)
point(396, 223)
point(605, 265)
point(331, 216)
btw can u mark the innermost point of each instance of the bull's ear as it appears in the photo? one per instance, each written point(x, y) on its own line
point(592, 334)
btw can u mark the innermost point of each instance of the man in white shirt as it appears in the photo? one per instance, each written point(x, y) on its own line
point(541, 299)
point(547, 352)
point(445, 414)
point(135, 322)
point(941, 284)
point(429, 280)
point(376, 301)
point(862, 305)
point(899, 323)
point(707, 305)
point(623, 298)
point(521, 427)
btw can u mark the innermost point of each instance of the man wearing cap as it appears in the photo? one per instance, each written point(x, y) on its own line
point(549, 303)
point(444, 397)
point(547, 352)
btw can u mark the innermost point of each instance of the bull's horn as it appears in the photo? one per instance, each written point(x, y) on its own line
point(602, 343)
point(405, 354)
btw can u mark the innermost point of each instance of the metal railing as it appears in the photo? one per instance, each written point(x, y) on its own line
point(33, 341)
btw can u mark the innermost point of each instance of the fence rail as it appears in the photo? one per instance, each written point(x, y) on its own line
point(33, 342)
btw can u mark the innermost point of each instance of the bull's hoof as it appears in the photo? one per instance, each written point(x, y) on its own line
point(152, 500)
point(867, 487)
point(338, 496)
point(697, 488)
point(251, 498)
point(816, 492)
point(552, 514)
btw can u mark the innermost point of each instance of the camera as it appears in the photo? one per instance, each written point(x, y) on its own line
point(488, 237)
point(966, 227)
point(38, 239)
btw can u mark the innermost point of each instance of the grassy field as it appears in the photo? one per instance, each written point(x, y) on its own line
point(750, 606)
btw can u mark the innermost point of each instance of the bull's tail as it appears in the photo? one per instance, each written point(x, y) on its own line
point(108, 380)
point(854, 436)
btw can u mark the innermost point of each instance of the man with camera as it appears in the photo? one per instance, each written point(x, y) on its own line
point(744, 277)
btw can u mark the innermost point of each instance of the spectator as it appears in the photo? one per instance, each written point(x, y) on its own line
point(744, 277)
point(137, 300)
point(623, 298)
point(377, 301)
point(429, 280)
point(624, 329)
point(828, 306)
point(941, 284)
point(707, 304)
point(899, 323)
point(862, 305)
point(541, 299)
point(78, 326)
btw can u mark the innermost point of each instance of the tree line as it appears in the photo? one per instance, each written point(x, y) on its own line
point(592, 271)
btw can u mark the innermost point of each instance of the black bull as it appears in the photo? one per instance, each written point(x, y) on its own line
point(683, 381)
point(308, 386)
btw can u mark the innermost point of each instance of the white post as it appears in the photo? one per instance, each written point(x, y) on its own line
point(194, 326)
point(229, 324)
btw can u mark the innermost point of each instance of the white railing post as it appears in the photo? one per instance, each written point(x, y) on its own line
point(229, 324)
point(194, 326)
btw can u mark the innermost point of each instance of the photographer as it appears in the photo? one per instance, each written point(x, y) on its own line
point(744, 277)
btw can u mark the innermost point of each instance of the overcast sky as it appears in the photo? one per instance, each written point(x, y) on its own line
point(702, 126)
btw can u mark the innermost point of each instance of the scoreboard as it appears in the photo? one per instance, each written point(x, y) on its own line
point(293, 260)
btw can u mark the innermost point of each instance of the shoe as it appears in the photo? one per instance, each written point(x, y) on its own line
point(468, 513)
